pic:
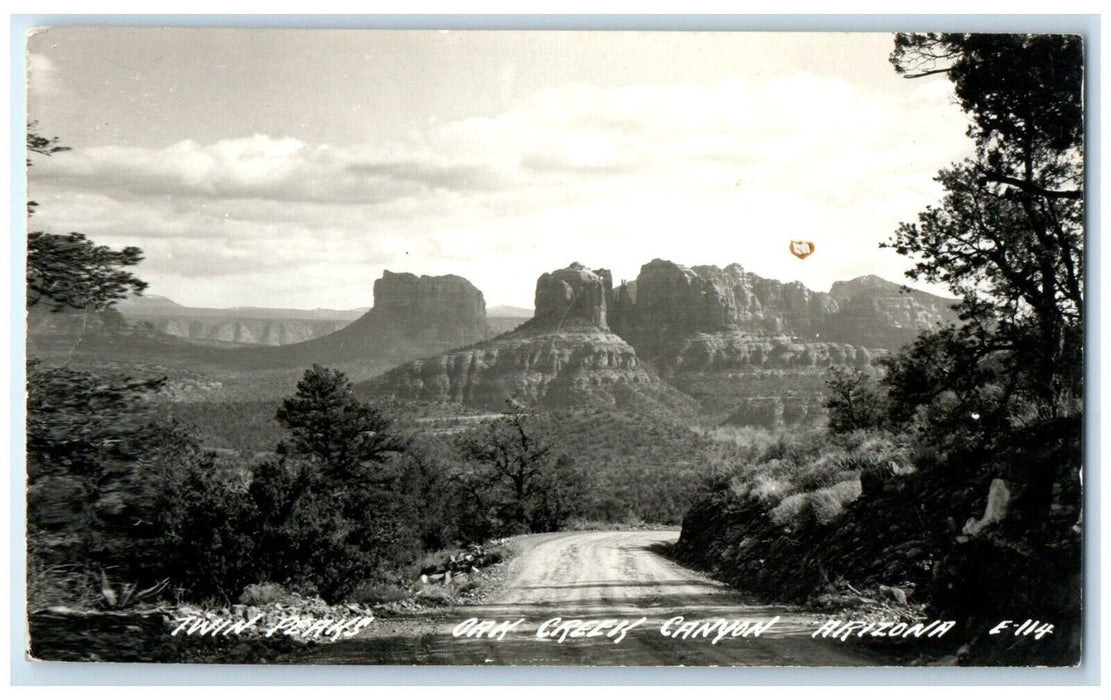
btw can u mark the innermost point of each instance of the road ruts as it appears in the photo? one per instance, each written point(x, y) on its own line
point(596, 576)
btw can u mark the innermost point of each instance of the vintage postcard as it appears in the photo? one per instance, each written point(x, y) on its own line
point(559, 348)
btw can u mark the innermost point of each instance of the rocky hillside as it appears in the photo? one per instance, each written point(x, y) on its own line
point(879, 314)
point(564, 356)
point(266, 326)
point(771, 381)
point(748, 350)
point(668, 303)
point(754, 351)
point(744, 349)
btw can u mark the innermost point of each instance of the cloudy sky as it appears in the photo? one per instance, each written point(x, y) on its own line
point(290, 168)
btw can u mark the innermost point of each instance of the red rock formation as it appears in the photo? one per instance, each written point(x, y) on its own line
point(564, 356)
point(446, 308)
point(668, 303)
point(573, 293)
point(412, 317)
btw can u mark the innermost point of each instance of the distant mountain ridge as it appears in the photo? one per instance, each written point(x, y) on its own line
point(412, 317)
point(722, 342)
point(509, 312)
point(264, 325)
point(155, 305)
point(243, 324)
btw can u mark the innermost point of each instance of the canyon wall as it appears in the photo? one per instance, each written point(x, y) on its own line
point(667, 303)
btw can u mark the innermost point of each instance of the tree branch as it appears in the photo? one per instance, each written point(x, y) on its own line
point(923, 74)
point(1031, 188)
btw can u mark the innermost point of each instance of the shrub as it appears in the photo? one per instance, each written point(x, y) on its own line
point(263, 594)
point(769, 489)
point(210, 534)
point(854, 400)
point(790, 510)
point(829, 502)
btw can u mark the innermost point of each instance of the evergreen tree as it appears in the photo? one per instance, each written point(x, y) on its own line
point(1008, 236)
point(332, 428)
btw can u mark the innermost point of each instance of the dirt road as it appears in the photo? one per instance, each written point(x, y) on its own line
point(603, 598)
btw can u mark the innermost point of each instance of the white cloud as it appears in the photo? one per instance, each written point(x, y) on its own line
point(611, 177)
point(41, 75)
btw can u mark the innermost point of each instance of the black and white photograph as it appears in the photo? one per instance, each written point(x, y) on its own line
point(421, 347)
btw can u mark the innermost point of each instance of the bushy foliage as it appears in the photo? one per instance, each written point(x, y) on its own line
point(645, 468)
point(327, 513)
point(98, 461)
point(70, 271)
point(1008, 236)
point(812, 476)
point(328, 426)
point(853, 400)
point(119, 498)
point(98, 458)
point(642, 468)
point(514, 481)
point(210, 535)
point(247, 427)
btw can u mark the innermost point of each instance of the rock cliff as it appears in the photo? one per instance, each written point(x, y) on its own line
point(667, 303)
point(769, 381)
point(437, 309)
point(412, 317)
point(754, 351)
point(748, 350)
point(737, 347)
point(573, 293)
point(877, 313)
point(703, 352)
point(240, 325)
point(564, 356)
point(250, 331)
point(446, 309)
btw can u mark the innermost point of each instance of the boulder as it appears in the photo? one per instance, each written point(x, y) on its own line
point(999, 497)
